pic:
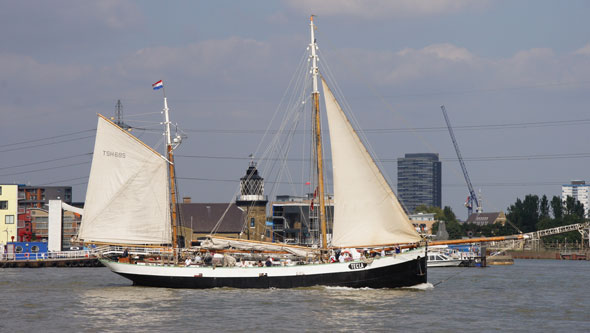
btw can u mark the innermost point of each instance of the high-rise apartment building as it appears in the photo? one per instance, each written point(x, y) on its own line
point(419, 180)
point(579, 191)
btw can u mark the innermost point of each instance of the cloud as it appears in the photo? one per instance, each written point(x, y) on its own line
point(45, 26)
point(452, 65)
point(583, 51)
point(222, 59)
point(407, 65)
point(18, 68)
point(447, 52)
point(382, 9)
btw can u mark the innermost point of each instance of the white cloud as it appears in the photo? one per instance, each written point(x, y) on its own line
point(43, 27)
point(583, 51)
point(455, 66)
point(379, 9)
point(28, 72)
point(444, 51)
point(411, 64)
point(223, 59)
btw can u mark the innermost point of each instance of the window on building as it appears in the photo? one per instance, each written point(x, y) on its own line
point(40, 225)
point(252, 222)
point(9, 219)
point(0, 190)
point(3, 204)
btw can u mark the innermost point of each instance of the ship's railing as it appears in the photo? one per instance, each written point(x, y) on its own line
point(131, 250)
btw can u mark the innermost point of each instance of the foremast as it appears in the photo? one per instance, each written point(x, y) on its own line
point(315, 94)
point(171, 169)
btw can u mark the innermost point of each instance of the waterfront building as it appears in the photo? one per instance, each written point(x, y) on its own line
point(423, 222)
point(24, 227)
point(203, 218)
point(39, 196)
point(244, 219)
point(294, 219)
point(70, 223)
point(419, 180)
point(8, 213)
point(578, 190)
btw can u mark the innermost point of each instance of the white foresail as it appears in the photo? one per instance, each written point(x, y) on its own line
point(366, 211)
point(127, 200)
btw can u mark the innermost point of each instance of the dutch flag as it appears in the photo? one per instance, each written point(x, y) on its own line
point(158, 85)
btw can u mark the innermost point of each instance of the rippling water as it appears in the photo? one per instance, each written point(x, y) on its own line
point(531, 295)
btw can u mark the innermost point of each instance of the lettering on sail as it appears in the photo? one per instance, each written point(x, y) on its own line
point(115, 154)
point(357, 265)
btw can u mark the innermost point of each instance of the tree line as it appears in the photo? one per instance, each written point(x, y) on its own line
point(527, 215)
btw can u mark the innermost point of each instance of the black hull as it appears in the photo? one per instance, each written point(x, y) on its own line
point(405, 274)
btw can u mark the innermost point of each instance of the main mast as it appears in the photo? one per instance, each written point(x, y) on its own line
point(169, 150)
point(315, 94)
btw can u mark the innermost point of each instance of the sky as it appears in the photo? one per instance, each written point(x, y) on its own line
point(513, 76)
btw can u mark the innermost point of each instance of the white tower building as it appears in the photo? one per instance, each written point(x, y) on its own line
point(579, 191)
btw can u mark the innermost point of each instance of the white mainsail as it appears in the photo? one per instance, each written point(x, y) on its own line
point(127, 200)
point(366, 211)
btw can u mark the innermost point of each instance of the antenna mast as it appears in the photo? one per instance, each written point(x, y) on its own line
point(119, 112)
point(119, 116)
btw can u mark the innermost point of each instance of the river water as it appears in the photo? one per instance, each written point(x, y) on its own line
point(529, 296)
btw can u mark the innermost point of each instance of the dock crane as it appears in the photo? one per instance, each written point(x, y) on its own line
point(472, 198)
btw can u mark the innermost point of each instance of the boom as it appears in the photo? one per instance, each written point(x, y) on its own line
point(472, 199)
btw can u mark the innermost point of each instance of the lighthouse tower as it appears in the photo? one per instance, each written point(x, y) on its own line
point(253, 202)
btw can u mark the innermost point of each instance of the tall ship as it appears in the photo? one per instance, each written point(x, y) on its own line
point(131, 203)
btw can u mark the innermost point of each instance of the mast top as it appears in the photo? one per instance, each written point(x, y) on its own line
point(314, 58)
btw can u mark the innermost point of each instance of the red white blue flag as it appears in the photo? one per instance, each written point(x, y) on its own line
point(158, 85)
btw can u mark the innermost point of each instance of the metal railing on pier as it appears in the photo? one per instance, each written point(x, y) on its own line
point(83, 254)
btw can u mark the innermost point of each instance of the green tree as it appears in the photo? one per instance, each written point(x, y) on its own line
point(544, 208)
point(573, 207)
point(453, 227)
point(557, 207)
point(525, 214)
point(448, 214)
